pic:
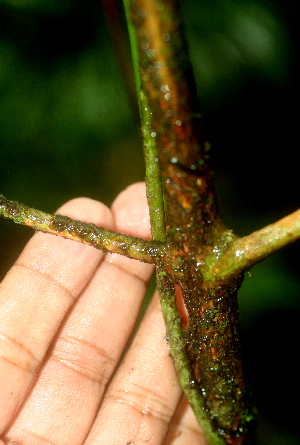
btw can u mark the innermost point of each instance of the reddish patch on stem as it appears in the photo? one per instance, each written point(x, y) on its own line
point(181, 308)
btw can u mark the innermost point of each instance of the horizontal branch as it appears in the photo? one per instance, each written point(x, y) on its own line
point(98, 237)
point(244, 252)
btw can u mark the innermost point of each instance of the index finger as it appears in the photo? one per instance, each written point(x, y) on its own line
point(35, 296)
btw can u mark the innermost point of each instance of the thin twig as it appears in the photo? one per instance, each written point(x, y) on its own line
point(98, 237)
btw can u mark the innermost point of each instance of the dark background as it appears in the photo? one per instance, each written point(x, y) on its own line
point(68, 129)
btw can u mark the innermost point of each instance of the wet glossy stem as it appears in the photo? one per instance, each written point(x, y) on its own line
point(244, 252)
point(98, 237)
point(180, 357)
point(165, 285)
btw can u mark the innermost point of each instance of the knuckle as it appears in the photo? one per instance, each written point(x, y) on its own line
point(145, 401)
point(84, 358)
point(16, 354)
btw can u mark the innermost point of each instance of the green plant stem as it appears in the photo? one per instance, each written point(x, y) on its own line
point(154, 187)
point(243, 253)
point(98, 237)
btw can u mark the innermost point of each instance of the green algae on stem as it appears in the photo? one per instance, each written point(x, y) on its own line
point(214, 348)
point(178, 350)
point(98, 237)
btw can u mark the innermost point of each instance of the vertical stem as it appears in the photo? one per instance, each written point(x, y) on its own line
point(153, 178)
point(165, 285)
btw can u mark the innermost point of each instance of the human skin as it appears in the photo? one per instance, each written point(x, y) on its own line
point(66, 313)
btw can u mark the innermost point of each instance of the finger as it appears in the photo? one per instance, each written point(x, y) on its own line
point(66, 397)
point(142, 398)
point(35, 296)
point(131, 212)
point(184, 428)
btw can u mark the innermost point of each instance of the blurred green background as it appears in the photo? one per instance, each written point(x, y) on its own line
point(68, 128)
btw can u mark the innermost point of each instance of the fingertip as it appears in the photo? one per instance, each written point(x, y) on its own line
point(131, 212)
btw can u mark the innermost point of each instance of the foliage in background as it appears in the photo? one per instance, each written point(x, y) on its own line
point(67, 129)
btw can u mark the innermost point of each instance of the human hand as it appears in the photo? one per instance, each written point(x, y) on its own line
point(66, 313)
